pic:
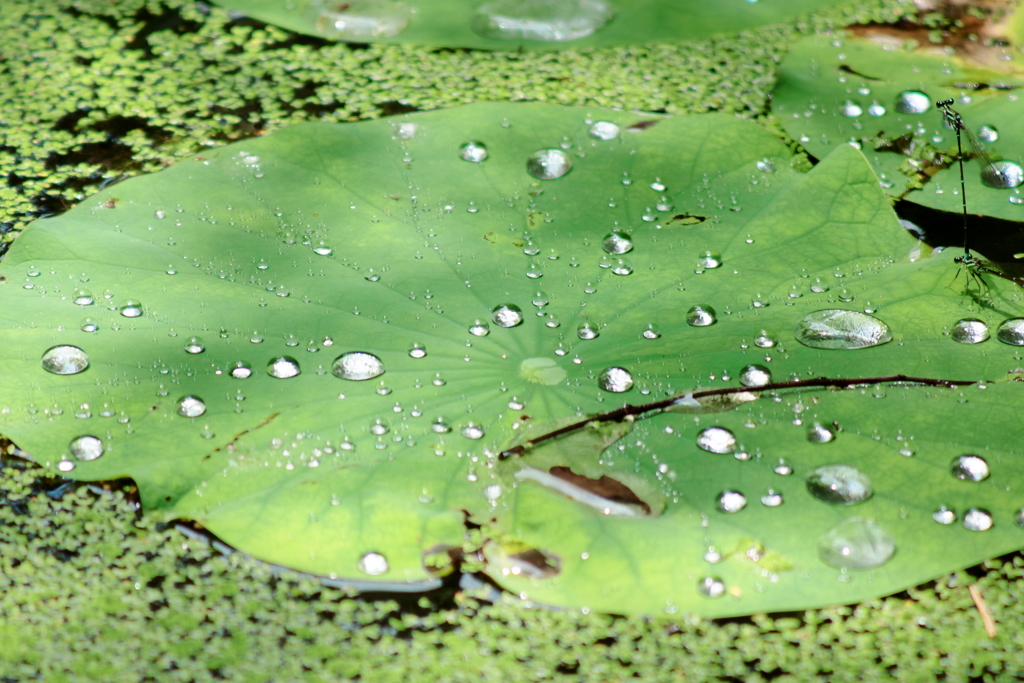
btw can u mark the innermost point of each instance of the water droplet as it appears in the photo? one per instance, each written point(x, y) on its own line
point(541, 19)
point(492, 492)
point(976, 519)
point(373, 564)
point(1002, 175)
point(480, 328)
point(856, 544)
point(709, 259)
point(548, 164)
point(818, 433)
point(701, 316)
point(240, 370)
point(417, 351)
point(944, 515)
point(473, 151)
point(772, 499)
point(651, 331)
point(716, 440)
point(65, 360)
point(194, 345)
point(371, 276)
point(473, 431)
point(284, 367)
point(622, 266)
point(988, 133)
point(587, 331)
point(507, 315)
point(766, 165)
point(604, 130)
point(65, 465)
point(839, 485)
point(88, 325)
point(875, 109)
point(379, 428)
point(358, 18)
point(616, 380)
point(969, 331)
point(913, 102)
point(440, 426)
point(191, 406)
point(617, 242)
point(1011, 332)
point(86, 447)
point(765, 340)
point(711, 587)
point(836, 328)
point(731, 501)
point(515, 404)
point(131, 309)
point(850, 109)
point(357, 366)
point(969, 468)
point(755, 376)
point(83, 297)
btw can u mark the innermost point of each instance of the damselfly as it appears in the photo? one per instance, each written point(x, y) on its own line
point(997, 174)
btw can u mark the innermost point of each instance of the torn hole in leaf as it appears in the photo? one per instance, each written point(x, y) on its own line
point(684, 219)
point(711, 404)
point(605, 494)
point(640, 126)
point(516, 559)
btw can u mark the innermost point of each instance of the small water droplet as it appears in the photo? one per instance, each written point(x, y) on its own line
point(480, 328)
point(194, 345)
point(988, 133)
point(83, 297)
point(913, 102)
point(850, 109)
point(191, 406)
point(716, 440)
point(976, 519)
point(417, 351)
point(944, 515)
point(131, 309)
point(507, 315)
point(65, 360)
point(617, 242)
point(86, 447)
point(701, 316)
point(875, 109)
point(473, 151)
point(473, 431)
point(651, 331)
point(548, 164)
point(709, 259)
point(357, 366)
point(969, 468)
point(856, 544)
point(88, 325)
point(731, 501)
point(240, 370)
point(373, 564)
point(587, 331)
point(772, 499)
point(969, 331)
point(818, 433)
point(604, 130)
point(711, 587)
point(283, 367)
point(616, 380)
point(839, 485)
point(836, 328)
point(766, 165)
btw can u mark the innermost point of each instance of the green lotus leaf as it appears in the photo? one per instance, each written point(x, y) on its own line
point(453, 287)
point(521, 24)
point(836, 89)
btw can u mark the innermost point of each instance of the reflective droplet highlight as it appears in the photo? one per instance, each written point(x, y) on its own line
point(357, 366)
point(587, 331)
point(131, 309)
point(835, 328)
point(240, 370)
point(839, 485)
point(480, 328)
point(856, 544)
point(819, 433)
point(194, 345)
point(709, 259)
point(944, 515)
point(64, 360)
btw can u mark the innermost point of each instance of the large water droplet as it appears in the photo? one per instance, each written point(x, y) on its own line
point(541, 20)
point(191, 406)
point(913, 102)
point(622, 266)
point(373, 564)
point(417, 351)
point(856, 544)
point(711, 587)
point(1002, 175)
point(944, 515)
point(1011, 332)
point(835, 328)
point(731, 501)
point(819, 433)
point(876, 109)
point(240, 370)
point(88, 325)
point(194, 345)
point(604, 130)
point(765, 340)
point(283, 367)
point(548, 164)
point(839, 485)
point(617, 242)
point(709, 259)
point(587, 331)
point(357, 366)
point(83, 297)
point(988, 133)
point(755, 376)
point(480, 328)
point(701, 316)
point(976, 519)
point(651, 331)
point(86, 447)
point(507, 315)
point(969, 468)
point(473, 151)
point(850, 109)
point(772, 499)
point(969, 331)
point(131, 309)
point(65, 360)
point(473, 431)
point(358, 18)
point(716, 440)
point(616, 380)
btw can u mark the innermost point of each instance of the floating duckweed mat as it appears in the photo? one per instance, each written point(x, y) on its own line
point(522, 24)
point(343, 348)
